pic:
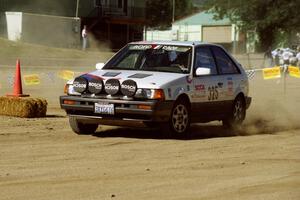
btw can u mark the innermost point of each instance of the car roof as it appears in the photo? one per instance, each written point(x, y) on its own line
point(181, 43)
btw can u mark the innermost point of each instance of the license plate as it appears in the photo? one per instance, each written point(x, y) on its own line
point(104, 108)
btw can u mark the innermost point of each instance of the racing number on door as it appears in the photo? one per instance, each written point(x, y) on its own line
point(213, 93)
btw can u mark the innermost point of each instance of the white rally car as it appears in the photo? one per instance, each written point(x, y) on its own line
point(159, 84)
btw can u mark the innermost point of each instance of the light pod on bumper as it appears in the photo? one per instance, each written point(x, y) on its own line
point(112, 86)
point(80, 84)
point(95, 86)
point(129, 88)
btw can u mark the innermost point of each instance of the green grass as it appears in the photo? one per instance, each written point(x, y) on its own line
point(10, 49)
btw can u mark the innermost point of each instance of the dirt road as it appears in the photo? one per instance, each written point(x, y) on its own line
point(42, 159)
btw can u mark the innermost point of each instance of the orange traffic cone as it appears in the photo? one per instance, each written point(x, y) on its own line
point(18, 83)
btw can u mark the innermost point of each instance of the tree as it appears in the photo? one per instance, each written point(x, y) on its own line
point(267, 18)
point(159, 12)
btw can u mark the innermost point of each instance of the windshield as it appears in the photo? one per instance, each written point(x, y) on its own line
point(163, 58)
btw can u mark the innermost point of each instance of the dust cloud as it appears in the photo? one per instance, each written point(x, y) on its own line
point(274, 107)
point(98, 45)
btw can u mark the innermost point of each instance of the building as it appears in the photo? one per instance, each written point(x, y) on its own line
point(114, 22)
point(202, 27)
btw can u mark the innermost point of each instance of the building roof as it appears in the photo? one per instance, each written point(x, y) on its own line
point(202, 18)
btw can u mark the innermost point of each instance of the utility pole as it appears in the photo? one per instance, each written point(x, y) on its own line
point(173, 13)
point(77, 6)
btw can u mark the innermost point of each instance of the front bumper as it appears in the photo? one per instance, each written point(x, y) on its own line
point(125, 111)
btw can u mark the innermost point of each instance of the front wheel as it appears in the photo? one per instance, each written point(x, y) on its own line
point(179, 122)
point(237, 115)
point(81, 128)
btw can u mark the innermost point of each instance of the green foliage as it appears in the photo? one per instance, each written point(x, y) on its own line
point(159, 13)
point(266, 17)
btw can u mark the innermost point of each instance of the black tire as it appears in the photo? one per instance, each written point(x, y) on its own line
point(179, 123)
point(237, 115)
point(81, 128)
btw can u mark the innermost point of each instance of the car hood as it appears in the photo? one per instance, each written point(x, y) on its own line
point(144, 79)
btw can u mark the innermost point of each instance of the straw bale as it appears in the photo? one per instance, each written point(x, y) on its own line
point(23, 107)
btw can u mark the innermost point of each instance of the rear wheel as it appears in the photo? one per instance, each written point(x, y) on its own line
point(81, 128)
point(237, 115)
point(179, 122)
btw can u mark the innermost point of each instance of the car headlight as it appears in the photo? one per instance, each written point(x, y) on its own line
point(69, 90)
point(66, 88)
point(150, 94)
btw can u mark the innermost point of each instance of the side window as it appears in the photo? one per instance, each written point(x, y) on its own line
point(204, 58)
point(225, 64)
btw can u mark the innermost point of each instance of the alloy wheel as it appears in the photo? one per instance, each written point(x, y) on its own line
point(180, 118)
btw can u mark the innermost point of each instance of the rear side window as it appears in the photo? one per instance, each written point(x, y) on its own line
point(204, 58)
point(224, 62)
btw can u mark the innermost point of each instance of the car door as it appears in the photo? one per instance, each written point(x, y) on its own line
point(207, 89)
point(230, 75)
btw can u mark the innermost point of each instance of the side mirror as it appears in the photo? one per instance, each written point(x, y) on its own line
point(99, 66)
point(200, 71)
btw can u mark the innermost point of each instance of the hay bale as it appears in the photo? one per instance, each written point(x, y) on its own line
point(23, 107)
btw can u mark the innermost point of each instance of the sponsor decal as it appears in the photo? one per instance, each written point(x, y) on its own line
point(80, 84)
point(229, 87)
point(95, 86)
point(200, 87)
point(112, 86)
point(294, 71)
point(271, 73)
point(32, 79)
point(170, 48)
point(91, 77)
point(140, 47)
point(199, 91)
point(189, 79)
point(178, 91)
point(66, 74)
point(154, 46)
point(213, 93)
point(129, 88)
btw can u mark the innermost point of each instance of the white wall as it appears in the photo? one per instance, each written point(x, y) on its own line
point(190, 33)
point(178, 32)
point(152, 35)
point(217, 34)
point(14, 25)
